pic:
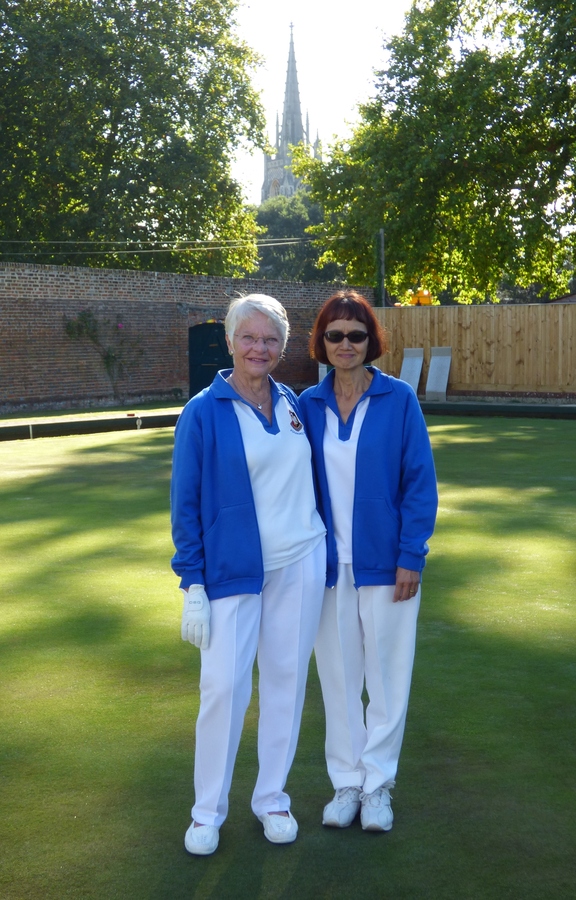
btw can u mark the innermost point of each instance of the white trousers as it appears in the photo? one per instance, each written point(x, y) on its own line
point(280, 624)
point(365, 638)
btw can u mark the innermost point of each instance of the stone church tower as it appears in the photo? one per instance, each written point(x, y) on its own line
point(278, 177)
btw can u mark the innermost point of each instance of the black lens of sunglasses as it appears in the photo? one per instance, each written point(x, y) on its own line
point(355, 337)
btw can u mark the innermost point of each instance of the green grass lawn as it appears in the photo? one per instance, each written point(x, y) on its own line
point(98, 693)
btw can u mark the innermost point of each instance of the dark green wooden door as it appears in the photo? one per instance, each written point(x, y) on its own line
point(207, 352)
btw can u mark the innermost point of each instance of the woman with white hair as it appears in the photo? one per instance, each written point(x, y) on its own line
point(251, 555)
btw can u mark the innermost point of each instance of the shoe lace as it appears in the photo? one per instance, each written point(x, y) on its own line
point(380, 797)
point(282, 823)
point(347, 794)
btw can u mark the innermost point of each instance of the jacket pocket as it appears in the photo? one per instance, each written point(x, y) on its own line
point(376, 535)
point(232, 545)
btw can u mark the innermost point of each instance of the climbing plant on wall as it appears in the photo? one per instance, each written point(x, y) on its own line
point(119, 352)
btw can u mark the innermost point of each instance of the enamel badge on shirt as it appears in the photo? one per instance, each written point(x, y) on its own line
point(295, 422)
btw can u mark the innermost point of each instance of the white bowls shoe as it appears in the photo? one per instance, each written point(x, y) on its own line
point(376, 813)
point(201, 840)
point(343, 809)
point(279, 829)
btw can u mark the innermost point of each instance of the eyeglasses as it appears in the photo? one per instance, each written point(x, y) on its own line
point(355, 337)
point(248, 340)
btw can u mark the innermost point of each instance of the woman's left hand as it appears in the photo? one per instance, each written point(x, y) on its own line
point(407, 584)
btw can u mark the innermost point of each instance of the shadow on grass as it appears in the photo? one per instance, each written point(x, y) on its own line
point(59, 516)
point(504, 488)
point(503, 452)
point(89, 628)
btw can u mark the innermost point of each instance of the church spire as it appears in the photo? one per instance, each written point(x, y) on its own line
point(292, 131)
point(278, 176)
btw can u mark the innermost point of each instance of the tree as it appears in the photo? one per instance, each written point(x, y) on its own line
point(118, 121)
point(287, 219)
point(465, 156)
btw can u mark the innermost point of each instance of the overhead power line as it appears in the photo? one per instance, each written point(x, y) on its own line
point(116, 247)
point(179, 244)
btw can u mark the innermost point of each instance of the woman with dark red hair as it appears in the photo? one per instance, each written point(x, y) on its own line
point(378, 498)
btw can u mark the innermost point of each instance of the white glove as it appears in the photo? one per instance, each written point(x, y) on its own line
point(196, 616)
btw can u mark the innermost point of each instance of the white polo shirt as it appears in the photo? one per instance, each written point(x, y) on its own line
point(340, 460)
point(280, 470)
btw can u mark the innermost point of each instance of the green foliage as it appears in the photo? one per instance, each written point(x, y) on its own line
point(119, 352)
point(466, 155)
point(119, 119)
point(290, 218)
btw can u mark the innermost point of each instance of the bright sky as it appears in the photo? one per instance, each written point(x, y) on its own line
point(338, 46)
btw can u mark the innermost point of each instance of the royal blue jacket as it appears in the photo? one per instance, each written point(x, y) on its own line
point(395, 495)
point(214, 524)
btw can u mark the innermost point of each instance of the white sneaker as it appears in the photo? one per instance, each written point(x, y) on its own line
point(343, 809)
point(279, 829)
point(376, 813)
point(201, 840)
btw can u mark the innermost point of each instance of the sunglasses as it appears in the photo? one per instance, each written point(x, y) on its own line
point(355, 337)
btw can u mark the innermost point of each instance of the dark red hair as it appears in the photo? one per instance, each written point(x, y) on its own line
point(348, 305)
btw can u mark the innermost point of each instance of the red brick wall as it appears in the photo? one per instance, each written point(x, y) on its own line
point(41, 366)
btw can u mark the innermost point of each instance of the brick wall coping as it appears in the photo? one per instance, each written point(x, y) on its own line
point(31, 281)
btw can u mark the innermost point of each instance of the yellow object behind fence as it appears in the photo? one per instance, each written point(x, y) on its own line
point(421, 298)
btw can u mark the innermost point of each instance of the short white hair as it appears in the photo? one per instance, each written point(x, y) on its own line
point(244, 308)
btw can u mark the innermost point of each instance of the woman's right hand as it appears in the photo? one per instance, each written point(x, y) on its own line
point(407, 584)
point(196, 616)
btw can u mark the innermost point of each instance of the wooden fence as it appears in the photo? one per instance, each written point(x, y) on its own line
point(527, 349)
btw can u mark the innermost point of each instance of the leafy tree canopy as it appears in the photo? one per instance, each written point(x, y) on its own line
point(465, 156)
point(118, 121)
point(286, 250)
